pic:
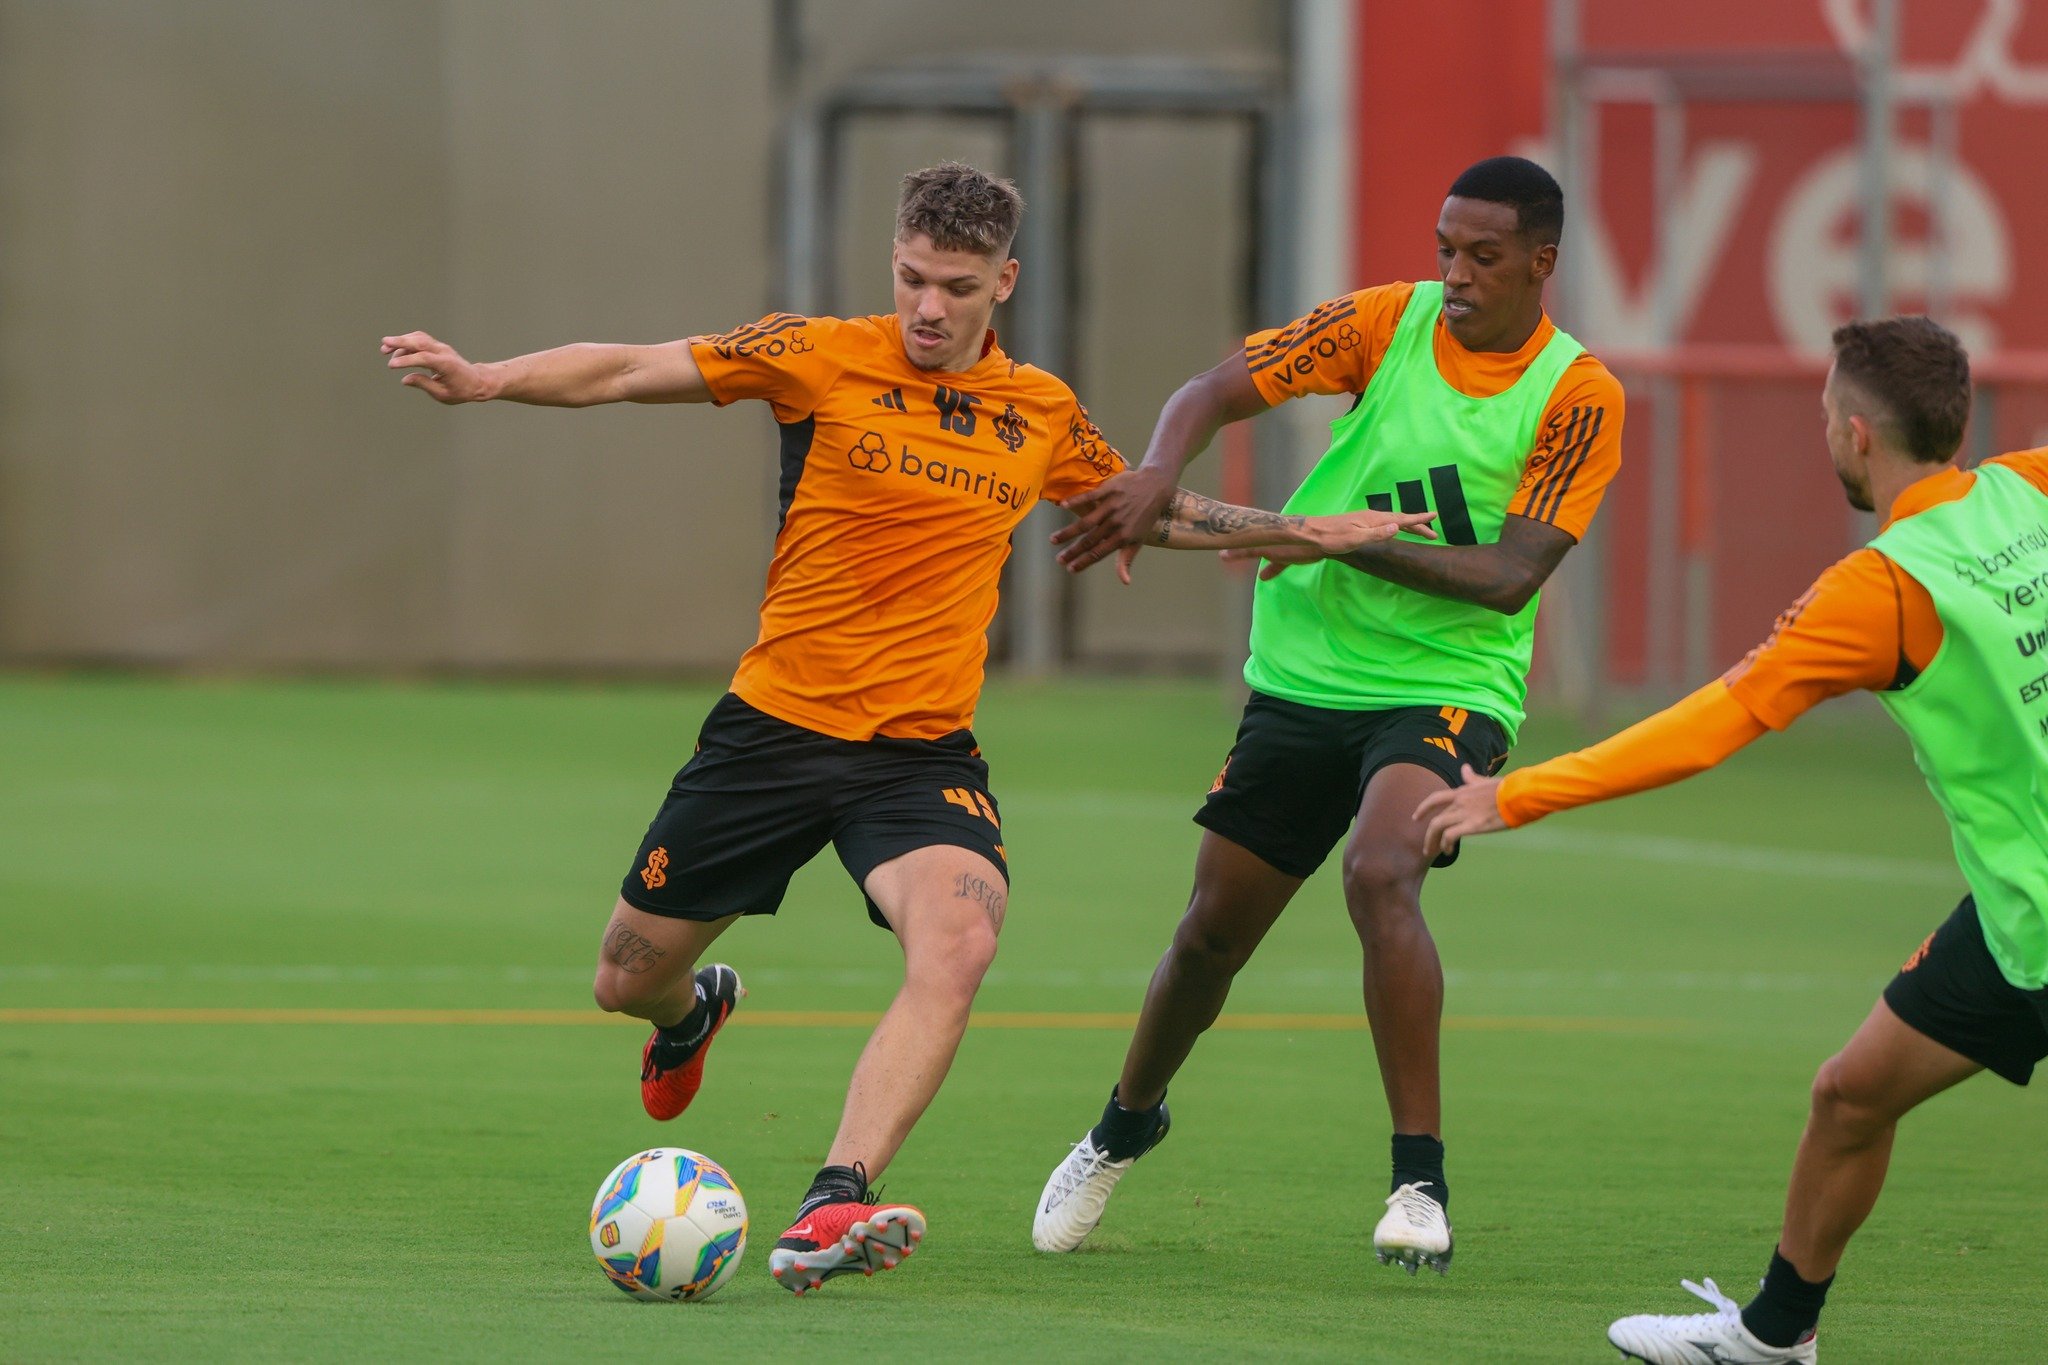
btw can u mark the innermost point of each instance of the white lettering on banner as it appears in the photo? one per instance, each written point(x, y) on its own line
point(1985, 62)
point(1717, 179)
point(1813, 251)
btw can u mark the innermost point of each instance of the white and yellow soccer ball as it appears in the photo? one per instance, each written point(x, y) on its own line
point(668, 1224)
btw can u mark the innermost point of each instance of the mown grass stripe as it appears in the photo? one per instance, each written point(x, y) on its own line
point(1278, 1023)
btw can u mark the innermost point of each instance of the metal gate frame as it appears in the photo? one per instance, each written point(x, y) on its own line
point(1042, 101)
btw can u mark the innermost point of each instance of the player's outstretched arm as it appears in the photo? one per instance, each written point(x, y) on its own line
point(1686, 738)
point(1128, 506)
point(576, 376)
point(1193, 522)
point(1502, 576)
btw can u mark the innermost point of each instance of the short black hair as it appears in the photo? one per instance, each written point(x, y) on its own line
point(1917, 371)
point(1515, 180)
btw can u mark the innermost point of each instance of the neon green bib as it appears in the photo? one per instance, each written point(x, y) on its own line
point(1978, 717)
point(1327, 635)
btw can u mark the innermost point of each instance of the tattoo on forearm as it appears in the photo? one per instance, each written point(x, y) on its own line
point(1206, 517)
point(1162, 533)
point(630, 951)
point(983, 892)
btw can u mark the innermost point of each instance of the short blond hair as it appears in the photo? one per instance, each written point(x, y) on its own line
point(960, 209)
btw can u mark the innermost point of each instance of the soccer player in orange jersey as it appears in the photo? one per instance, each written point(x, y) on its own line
point(1375, 676)
point(912, 447)
point(1944, 615)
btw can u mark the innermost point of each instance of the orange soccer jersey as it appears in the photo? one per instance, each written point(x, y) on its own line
point(900, 488)
point(1337, 348)
point(1865, 624)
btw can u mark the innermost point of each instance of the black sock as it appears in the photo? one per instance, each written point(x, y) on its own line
point(836, 1185)
point(1419, 1160)
point(1125, 1133)
point(678, 1042)
point(1787, 1307)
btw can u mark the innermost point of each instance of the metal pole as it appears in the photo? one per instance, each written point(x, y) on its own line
point(1943, 146)
point(803, 211)
point(1574, 624)
point(1878, 59)
point(1566, 138)
point(1041, 325)
point(1661, 631)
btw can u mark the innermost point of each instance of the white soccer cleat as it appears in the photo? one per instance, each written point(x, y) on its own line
point(1716, 1338)
point(1075, 1196)
point(1415, 1232)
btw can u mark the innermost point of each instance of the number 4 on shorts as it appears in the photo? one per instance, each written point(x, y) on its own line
point(973, 802)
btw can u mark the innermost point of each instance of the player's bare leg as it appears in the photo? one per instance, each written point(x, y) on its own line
point(1237, 897)
point(946, 905)
point(644, 963)
point(645, 969)
point(1886, 1069)
point(1404, 1000)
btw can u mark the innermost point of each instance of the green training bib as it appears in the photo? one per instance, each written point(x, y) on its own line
point(1978, 717)
point(1325, 634)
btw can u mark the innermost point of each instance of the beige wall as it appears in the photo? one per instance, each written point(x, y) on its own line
point(210, 211)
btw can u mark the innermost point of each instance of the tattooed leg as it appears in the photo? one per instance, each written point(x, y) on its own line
point(644, 963)
point(987, 894)
point(945, 905)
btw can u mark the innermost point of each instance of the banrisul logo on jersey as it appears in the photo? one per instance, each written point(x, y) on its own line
point(871, 455)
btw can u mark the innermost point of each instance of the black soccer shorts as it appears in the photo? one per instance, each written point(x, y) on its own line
point(1296, 774)
point(1951, 990)
point(761, 797)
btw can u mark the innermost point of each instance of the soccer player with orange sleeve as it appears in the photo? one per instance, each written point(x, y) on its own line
point(911, 448)
point(1945, 617)
point(1378, 675)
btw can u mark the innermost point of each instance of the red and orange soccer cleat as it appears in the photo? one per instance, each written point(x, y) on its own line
point(833, 1239)
point(671, 1072)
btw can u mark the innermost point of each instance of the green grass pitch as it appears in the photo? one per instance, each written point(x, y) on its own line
point(1638, 996)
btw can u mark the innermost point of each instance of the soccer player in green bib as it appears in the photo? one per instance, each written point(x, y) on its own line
point(1945, 617)
point(1376, 677)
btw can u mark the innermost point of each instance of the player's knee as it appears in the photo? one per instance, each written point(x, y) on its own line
point(1380, 888)
point(1845, 1102)
point(975, 949)
point(1208, 948)
point(955, 961)
point(618, 992)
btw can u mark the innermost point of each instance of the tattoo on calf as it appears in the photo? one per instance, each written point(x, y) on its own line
point(983, 892)
point(633, 953)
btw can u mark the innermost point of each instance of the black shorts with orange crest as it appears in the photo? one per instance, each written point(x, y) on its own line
point(1296, 774)
point(1952, 991)
point(761, 797)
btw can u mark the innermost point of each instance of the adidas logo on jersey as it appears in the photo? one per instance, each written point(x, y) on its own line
point(892, 399)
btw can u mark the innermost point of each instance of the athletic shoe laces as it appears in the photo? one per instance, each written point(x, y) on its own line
point(1075, 1173)
point(1417, 1207)
point(1724, 1307)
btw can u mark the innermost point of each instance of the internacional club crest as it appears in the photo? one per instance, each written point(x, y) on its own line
point(1010, 428)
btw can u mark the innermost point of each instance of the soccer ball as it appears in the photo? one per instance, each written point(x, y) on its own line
point(668, 1224)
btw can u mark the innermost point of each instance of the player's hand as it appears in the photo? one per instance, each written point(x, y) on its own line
point(1278, 558)
point(440, 372)
point(1116, 514)
point(1458, 812)
point(1340, 535)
